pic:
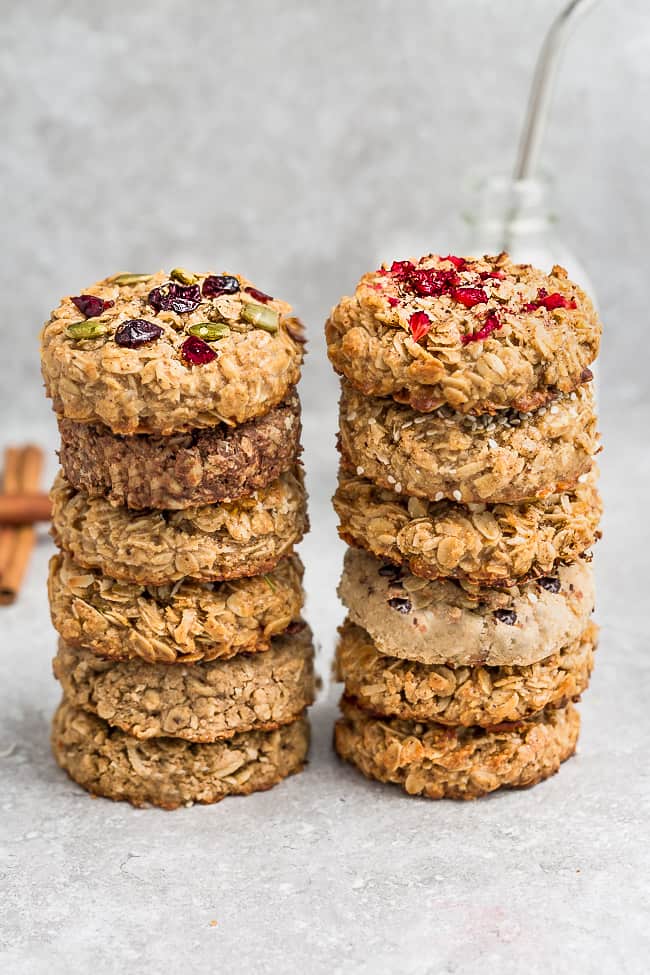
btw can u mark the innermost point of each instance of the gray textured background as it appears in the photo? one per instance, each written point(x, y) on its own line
point(295, 142)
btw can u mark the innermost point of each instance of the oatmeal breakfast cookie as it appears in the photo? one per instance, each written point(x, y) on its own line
point(199, 702)
point(493, 545)
point(445, 622)
point(217, 541)
point(221, 463)
point(464, 696)
point(508, 457)
point(479, 335)
point(438, 762)
point(167, 353)
point(170, 772)
point(179, 623)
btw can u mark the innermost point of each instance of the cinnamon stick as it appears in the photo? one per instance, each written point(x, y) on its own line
point(24, 509)
point(22, 474)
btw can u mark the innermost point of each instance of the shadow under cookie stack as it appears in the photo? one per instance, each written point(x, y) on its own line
point(185, 664)
point(467, 492)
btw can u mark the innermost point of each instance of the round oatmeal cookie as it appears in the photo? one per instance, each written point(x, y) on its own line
point(212, 542)
point(438, 762)
point(170, 772)
point(179, 623)
point(510, 457)
point(198, 702)
point(479, 335)
point(463, 696)
point(167, 353)
point(489, 545)
point(443, 622)
point(181, 470)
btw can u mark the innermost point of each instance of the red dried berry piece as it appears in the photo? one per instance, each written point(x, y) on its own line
point(492, 323)
point(419, 323)
point(220, 284)
point(470, 296)
point(392, 301)
point(556, 300)
point(401, 269)
point(430, 283)
point(459, 262)
point(175, 297)
point(259, 295)
point(91, 306)
point(136, 332)
point(197, 352)
point(550, 301)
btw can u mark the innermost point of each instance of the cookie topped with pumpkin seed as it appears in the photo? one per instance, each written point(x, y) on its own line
point(477, 334)
point(165, 353)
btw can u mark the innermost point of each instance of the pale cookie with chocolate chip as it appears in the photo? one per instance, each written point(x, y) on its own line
point(464, 696)
point(211, 542)
point(485, 544)
point(508, 457)
point(166, 353)
point(479, 335)
point(437, 762)
point(200, 702)
point(180, 623)
point(170, 772)
point(440, 622)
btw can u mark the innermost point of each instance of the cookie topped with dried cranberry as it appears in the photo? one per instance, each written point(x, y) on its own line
point(477, 334)
point(165, 353)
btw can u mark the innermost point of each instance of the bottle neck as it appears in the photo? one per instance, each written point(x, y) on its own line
point(513, 216)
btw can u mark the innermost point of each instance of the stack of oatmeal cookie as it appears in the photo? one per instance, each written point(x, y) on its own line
point(467, 489)
point(186, 667)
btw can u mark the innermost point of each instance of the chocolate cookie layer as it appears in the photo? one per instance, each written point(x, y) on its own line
point(183, 469)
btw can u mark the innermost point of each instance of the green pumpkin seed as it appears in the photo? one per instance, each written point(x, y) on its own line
point(86, 330)
point(209, 331)
point(261, 317)
point(185, 277)
point(125, 279)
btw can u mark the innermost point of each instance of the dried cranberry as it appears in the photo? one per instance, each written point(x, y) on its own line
point(507, 616)
point(91, 306)
point(137, 332)
point(470, 296)
point(492, 324)
point(175, 297)
point(259, 295)
point(401, 604)
point(401, 269)
point(197, 352)
point(550, 301)
point(550, 583)
point(220, 284)
point(499, 275)
point(428, 282)
point(393, 301)
point(419, 323)
point(459, 262)
point(557, 300)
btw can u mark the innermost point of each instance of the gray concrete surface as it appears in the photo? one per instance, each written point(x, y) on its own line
point(295, 141)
